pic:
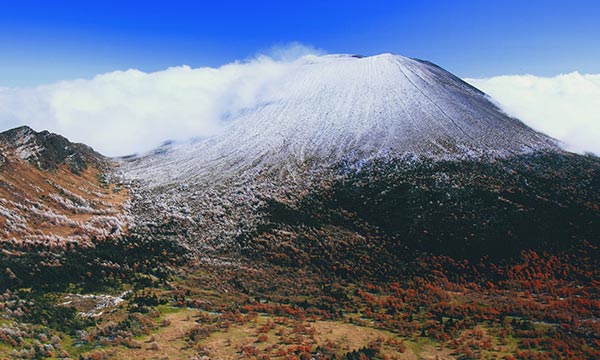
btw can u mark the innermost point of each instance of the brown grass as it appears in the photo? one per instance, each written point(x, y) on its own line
point(172, 343)
point(23, 183)
point(170, 340)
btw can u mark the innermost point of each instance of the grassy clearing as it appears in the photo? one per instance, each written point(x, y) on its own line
point(274, 337)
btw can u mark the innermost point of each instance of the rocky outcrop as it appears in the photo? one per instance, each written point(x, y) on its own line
point(48, 151)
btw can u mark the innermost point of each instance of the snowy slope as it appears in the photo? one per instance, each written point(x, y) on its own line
point(329, 115)
point(343, 107)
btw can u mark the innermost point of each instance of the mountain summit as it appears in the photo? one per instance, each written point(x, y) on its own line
point(347, 108)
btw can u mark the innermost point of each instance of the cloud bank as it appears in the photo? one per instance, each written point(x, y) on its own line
point(125, 112)
point(566, 107)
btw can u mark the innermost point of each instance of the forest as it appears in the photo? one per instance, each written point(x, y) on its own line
point(398, 260)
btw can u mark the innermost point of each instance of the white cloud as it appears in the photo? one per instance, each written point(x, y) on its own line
point(123, 112)
point(566, 107)
point(292, 51)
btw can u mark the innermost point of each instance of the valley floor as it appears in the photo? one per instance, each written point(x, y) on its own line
point(239, 312)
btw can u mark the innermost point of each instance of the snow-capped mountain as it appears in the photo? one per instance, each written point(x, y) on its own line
point(379, 195)
point(342, 107)
point(331, 114)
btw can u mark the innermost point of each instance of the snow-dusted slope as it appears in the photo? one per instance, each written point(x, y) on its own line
point(54, 192)
point(343, 107)
point(327, 114)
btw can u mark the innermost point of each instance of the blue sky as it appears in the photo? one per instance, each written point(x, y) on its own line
point(46, 41)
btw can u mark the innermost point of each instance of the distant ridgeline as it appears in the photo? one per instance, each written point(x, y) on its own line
point(48, 151)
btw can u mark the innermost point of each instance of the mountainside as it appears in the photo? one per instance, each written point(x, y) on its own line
point(376, 221)
point(53, 191)
point(49, 151)
point(329, 116)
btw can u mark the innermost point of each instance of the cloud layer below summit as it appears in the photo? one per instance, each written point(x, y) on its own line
point(566, 107)
point(124, 112)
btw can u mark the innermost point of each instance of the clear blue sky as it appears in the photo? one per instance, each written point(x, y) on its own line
point(46, 41)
